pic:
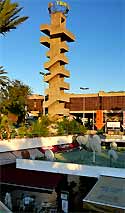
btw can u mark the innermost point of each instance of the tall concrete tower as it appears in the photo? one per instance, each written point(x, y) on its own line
point(56, 37)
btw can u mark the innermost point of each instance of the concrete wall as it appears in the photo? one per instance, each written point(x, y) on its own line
point(28, 143)
point(69, 168)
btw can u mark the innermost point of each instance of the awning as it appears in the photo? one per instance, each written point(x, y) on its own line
point(107, 195)
point(26, 178)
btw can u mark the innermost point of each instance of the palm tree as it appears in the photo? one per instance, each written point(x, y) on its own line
point(3, 78)
point(4, 82)
point(9, 18)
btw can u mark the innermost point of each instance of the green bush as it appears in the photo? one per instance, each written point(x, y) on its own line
point(40, 127)
point(46, 127)
point(4, 135)
point(66, 127)
point(13, 133)
point(22, 131)
point(100, 132)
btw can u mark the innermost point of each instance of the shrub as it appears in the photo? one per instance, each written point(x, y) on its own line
point(22, 131)
point(40, 128)
point(100, 132)
point(13, 132)
point(69, 127)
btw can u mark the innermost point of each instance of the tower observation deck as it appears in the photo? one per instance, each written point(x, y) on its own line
point(55, 39)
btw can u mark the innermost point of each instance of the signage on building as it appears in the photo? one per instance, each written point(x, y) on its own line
point(64, 198)
point(58, 6)
point(113, 124)
point(99, 119)
point(124, 119)
point(61, 3)
point(65, 206)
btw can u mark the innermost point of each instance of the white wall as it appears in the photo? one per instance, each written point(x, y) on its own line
point(69, 168)
point(28, 143)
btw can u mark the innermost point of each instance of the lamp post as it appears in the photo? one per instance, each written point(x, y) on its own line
point(83, 106)
point(43, 74)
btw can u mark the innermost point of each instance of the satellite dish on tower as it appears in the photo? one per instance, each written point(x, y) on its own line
point(49, 155)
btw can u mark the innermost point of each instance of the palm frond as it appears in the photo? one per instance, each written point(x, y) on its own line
point(9, 16)
point(4, 80)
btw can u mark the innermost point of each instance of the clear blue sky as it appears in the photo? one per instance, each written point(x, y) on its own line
point(96, 58)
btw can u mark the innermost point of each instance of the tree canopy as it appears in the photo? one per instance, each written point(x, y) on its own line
point(15, 99)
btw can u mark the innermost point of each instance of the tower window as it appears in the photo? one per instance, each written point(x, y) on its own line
point(62, 19)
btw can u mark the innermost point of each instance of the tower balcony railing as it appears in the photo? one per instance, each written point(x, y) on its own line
point(64, 47)
point(64, 85)
point(45, 28)
point(58, 109)
point(62, 72)
point(63, 98)
point(62, 58)
point(48, 54)
point(65, 34)
point(47, 91)
point(56, 31)
point(62, 111)
point(48, 103)
point(45, 41)
point(60, 98)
